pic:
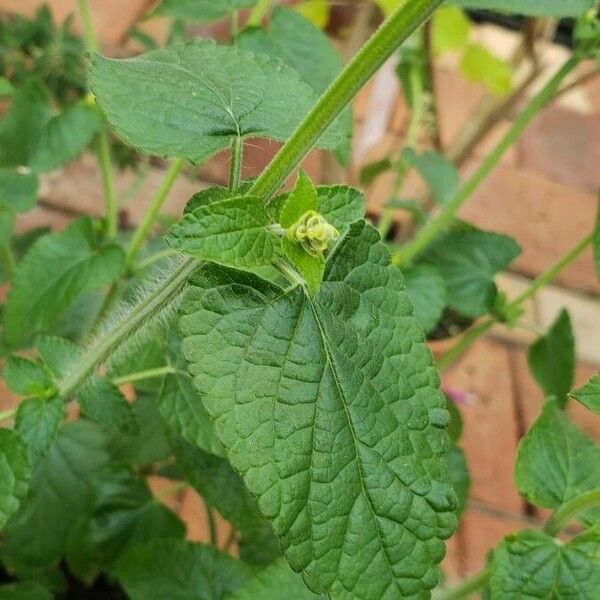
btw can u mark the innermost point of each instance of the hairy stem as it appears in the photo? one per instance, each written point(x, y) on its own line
point(564, 514)
point(448, 213)
point(147, 374)
point(153, 210)
point(235, 165)
point(403, 21)
point(468, 586)
point(126, 327)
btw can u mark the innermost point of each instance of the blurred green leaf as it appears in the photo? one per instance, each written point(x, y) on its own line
point(200, 11)
point(450, 29)
point(17, 190)
point(481, 66)
point(589, 394)
point(15, 472)
point(536, 8)
point(427, 290)
point(440, 175)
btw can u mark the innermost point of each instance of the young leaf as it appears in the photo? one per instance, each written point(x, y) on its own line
point(60, 491)
point(440, 175)
point(231, 232)
point(551, 358)
point(332, 396)
point(58, 354)
point(178, 569)
point(102, 401)
point(299, 44)
point(25, 377)
point(557, 462)
point(480, 65)
point(15, 471)
point(57, 268)
point(24, 590)
point(202, 97)
point(18, 191)
point(589, 394)
point(468, 260)
point(64, 137)
point(427, 291)
point(532, 564)
point(536, 8)
point(276, 582)
point(298, 202)
point(450, 29)
point(200, 11)
point(38, 421)
point(21, 126)
point(121, 514)
point(221, 487)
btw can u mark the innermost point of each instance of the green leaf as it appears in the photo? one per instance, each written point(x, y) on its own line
point(299, 201)
point(310, 267)
point(589, 394)
point(440, 174)
point(121, 514)
point(481, 66)
point(331, 397)
point(38, 421)
point(371, 171)
point(202, 97)
point(18, 191)
point(231, 232)
point(551, 358)
point(276, 582)
point(58, 268)
point(24, 590)
point(102, 401)
point(316, 11)
point(532, 564)
point(299, 44)
point(536, 8)
point(21, 126)
point(180, 570)
point(58, 354)
point(6, 88)
point(427, 291)
point(15, 471)
point(221, 487)
point(60, 490)
point(64, 137)
point(459, 476)
point(450, 30)
point(201, 11)
point(557, 462)
point(468, 260)
point(456, 422)
point(26, 377)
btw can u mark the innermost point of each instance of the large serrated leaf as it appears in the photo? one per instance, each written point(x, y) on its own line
point(192, 101)
point(330, 408)
point(538, 8)
point(556, 462)
point(532, 564)
point(57, 268)
point(15, 471)
point(38, 420)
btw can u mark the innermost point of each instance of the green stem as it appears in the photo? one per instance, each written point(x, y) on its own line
point(9, 260)
point(8, 414)
point(110, 198)
point(235, 165)
point(212, 524)
point(564, 514)
point(446, 216)
point(147, 374)
point(544, 279)
point(468, 586)
point(127, 326)
point(89, 35)
point(153, 210)
point(401, 23)
point(258, 12)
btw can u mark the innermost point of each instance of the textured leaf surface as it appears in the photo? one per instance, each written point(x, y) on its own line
point(60, 490)
point(58, 354)
point(179, 570)
point(17, 190)
point(557, 462)
point(201, 11)
point(231, 232)
point(548, 8)
point(15, 471)
point(551, 358)
point(589, 394)
point(222, 488)
point(299, 44)
point(26, 377)
point(531, 565)
point(468, 261)
point(330, 408)
point(38, 421)
point(57, 268)
point(64, 137)
point(276, 582)
point(427, 291)
point(192, 101)
point(440, 175)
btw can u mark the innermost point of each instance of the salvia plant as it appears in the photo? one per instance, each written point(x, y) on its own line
point(273, 339)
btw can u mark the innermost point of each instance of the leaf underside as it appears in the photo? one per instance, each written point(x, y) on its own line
point(330, 409)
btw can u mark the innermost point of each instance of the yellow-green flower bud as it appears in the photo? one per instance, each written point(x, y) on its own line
point(313, 233)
